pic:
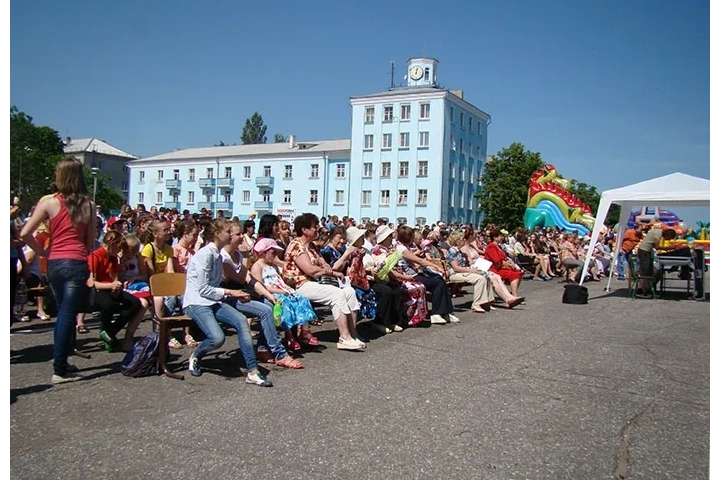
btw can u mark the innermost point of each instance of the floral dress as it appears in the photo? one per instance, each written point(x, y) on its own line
point(296, 308)
point(359, 281)
point(413, 298)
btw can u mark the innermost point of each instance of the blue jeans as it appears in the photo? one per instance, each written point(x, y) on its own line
point(67, 280)
point(268, 330)
point(209, 318)
point(622, 258)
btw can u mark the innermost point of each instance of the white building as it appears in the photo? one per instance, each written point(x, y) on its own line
point(415, 156)
point(110, 161)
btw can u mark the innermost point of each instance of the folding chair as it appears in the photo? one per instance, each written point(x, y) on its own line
point(636, 277)
point(168, 285)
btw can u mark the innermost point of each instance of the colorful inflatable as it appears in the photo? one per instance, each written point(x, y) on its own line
point(550, 204)
point(653, 214)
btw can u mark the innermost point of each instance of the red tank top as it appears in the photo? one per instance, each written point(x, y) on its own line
point(67, 241)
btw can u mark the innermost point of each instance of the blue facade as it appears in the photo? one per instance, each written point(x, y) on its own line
point(415, 156)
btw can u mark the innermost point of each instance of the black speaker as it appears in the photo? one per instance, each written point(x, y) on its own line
point(575, 294)
point(699, 272)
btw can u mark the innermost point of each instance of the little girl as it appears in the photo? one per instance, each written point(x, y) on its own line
point(132, 272)
point(296, 309)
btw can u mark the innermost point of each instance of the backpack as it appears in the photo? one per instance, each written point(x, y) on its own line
point(142, 359)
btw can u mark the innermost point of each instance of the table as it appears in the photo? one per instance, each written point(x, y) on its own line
point(668, 261)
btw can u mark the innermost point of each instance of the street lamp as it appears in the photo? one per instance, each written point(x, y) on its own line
point(94, 171)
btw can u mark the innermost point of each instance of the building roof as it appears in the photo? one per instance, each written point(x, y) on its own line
point(81, 145)
point(402, 91)
point(253, 149)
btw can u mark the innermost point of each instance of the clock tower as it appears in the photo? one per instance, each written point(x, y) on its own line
point(422, 72)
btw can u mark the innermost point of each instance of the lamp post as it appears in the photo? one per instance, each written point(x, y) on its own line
point(94, 171)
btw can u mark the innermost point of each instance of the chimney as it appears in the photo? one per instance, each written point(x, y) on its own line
point(68, 140)
point(291, 141)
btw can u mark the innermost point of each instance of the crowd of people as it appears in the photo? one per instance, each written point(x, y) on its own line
point(398, 277)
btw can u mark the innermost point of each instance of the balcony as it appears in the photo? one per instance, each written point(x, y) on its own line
point(207, 183)
point(206, 205)
point(223, 205)
point(264, 205)
point(173, 184)
point(226, 182)
point(265, 181)
point(170, 205)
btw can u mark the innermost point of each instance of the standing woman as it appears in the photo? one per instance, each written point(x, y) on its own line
point(72, 227)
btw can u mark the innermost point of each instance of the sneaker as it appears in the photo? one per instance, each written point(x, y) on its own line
point(381, 328)
point(437, 319)
point(452, 318)
point(194, 366)
point(259, 380)
point(68, 377)
point(397, 328)
point(343, 344)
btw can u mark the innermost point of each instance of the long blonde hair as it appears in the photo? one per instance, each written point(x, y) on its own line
point(70, 183)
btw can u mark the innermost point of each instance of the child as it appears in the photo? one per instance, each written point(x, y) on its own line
point(296, 309)
point(132, 273)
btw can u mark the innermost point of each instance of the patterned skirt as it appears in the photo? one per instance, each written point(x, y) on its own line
point(414, 301)
point(368, 302)
point(296, 310)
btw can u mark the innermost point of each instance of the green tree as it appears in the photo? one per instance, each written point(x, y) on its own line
point(254, 130)
point(280, 138)
point(589, 195)
point(505, 179)
point(108, 198)
point(34, 152)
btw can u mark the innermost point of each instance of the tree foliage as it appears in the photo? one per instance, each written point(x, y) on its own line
point(280, 138)
point(107, 197)
point(589, 195)
point(34, 153)
point(254, 130)
point(505, 179)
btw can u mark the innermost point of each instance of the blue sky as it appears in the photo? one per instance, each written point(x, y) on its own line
point(610, 92)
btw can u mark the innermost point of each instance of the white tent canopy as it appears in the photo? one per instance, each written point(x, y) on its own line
point(674, 190)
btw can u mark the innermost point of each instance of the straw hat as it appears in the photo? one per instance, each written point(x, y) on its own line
point(353, 234)
point(382, 232)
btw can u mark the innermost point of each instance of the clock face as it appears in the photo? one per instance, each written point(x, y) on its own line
point(416, 72)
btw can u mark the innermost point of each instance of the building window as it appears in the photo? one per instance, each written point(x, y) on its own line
point(287, 196)
point(314, 170)
point(422, 197)
point(420, 221)
point(160, 175)
point(470, 124)
point(424, 139)
point(125, 169)
point(369, 140)
point(402, 220)
point(227, 196)
point(246, 196)
point(191, 175)
point(478, 153)
point(141, 177)
point(462, 119)
point(462, 147)
point(479, 124)
point(422, 168)
point(424, 111)
point(452, 170)
point(404, 140)
point(228, 172)
point(404, 169)
point(313, 197)
point(209, 173)
point(191, 197)
point(387, 114)
point(246, 173)
point(367, 170)
point(402, 197)
point(405, 112)
point(340, 170)
point(387, 141)
point(141, 197)
point(288, 171)
point(385, 170)
point(339, 197)
point(124, 185)
point(369, 114)
point(266, 195)
point(208, 197)
point(158, 197)
point(470, 149)
point(267, 171)
point(366, 197)
point(385, 197)
point(176, 174)
point(452, 113)
point(462, 173)
point(452, 142)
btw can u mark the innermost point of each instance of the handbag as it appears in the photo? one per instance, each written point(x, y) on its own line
point(329, 280)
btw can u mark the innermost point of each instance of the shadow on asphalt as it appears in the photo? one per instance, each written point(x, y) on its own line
point(16, 393)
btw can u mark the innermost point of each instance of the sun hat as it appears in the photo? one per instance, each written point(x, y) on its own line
point(265, 244)
point(382, 232)
point(353, 234)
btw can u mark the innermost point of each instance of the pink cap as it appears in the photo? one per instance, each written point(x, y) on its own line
point(264, 244)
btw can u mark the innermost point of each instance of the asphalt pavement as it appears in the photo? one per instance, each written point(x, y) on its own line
point(617, 388)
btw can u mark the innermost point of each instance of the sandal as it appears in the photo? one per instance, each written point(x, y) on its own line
point(263, 356)
point(82, 329)
point(289, 362)
point(307, 338)
point(44, 318)
point(292, 345)
point(190, 341)
point(316, 323)
point(173, 343)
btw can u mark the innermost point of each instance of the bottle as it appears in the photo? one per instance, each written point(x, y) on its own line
point(277, 312)
point(20, 300)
